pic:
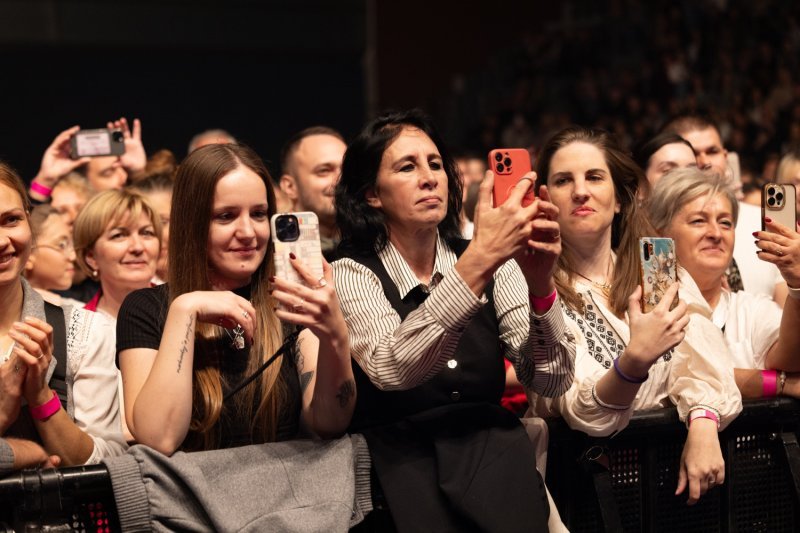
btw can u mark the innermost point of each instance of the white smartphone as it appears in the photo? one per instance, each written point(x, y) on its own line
point(298, 234)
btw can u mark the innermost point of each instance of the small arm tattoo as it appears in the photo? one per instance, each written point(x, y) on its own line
point(185, 343)
point(346, 392)
point(305, 379)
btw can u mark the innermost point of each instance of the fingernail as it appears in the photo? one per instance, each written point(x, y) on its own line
point(755, 234)
point(272, 279)
point(767, 219)
point(292, 256)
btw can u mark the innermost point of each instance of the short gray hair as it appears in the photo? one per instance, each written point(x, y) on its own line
point(679, 187)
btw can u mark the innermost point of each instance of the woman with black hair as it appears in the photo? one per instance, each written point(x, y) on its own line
point(431, 318)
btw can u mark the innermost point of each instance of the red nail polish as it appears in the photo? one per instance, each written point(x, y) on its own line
point(767, 219)
point(292, 256)
point(272, 279)
point(755, 234)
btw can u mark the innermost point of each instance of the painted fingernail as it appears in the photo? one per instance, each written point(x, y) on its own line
point(272, 279)
point(292, 256)
point(755, 234)
point(767, 219)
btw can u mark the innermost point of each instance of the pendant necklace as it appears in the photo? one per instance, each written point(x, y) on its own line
point(605, 288)
point(236, 336)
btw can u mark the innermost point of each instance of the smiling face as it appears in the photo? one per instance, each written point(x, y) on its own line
point(125, 255)
point(703, 231)
point(668, 157)
point(51, 265)
point(580, 184)
point(411, 186)
point(239, 230)
point(15, 236)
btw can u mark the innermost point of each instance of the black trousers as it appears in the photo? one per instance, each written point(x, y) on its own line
point(467, 467)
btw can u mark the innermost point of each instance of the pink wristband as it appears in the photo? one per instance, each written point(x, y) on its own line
point(41, 189)
point(47, 409)
point(703, 413)
point(542, 305)
point(769, 388)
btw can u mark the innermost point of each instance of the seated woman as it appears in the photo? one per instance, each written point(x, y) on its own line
point(625, 360)
point(699, 211)
point(51, 265)
point(431, 319)
point(117, 241)
point(185, 346)
point(60, 362)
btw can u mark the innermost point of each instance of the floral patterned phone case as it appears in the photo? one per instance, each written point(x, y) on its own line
point(658, 270)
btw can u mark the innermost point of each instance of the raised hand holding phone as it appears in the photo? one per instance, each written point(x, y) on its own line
point(509, 165)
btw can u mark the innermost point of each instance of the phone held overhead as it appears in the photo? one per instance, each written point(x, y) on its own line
point(97, 143)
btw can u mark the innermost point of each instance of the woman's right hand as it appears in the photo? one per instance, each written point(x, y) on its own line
point(56, 161)
point(12, 376)
point(653, 333)
point(221, 308)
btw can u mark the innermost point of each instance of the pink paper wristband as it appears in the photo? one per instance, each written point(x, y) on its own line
point(47, 409)
point(542, 305)
point(769, 387)
point(703, 413)
point(41, 189)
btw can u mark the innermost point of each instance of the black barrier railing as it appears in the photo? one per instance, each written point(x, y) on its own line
point(62, 499)
point(623, 483)
point(627, 482)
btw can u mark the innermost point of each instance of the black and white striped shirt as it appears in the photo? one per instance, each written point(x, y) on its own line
point(399, 355)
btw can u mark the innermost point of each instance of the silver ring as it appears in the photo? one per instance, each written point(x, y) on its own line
point(779, 252)
point(321, 283)
point(16, 368)
point(299, 307)
point(245, 314)
point(42, 355)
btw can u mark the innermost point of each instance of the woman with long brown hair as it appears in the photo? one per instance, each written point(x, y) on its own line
point(628, 360)
point(185, 346)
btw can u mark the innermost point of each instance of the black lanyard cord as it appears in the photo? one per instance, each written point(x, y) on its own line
point(284, 347)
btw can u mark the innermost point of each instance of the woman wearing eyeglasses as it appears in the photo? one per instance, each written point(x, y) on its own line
point(51, 264)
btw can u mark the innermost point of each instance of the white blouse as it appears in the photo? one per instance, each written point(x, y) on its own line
point(751, 323)
point(696, 374)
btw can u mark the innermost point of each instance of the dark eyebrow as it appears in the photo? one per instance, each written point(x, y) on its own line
point(600, 170)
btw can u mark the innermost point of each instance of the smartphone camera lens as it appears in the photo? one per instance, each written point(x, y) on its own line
point(117, 136)
point(500, 167)
point(287, 228)
point(771, 201)
point(507, 161)
point(498, 157)
point(779, 196)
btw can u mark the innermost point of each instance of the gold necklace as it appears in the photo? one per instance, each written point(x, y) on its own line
point(605, 288)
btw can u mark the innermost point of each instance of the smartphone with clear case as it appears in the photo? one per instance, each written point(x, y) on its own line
point(778, 202)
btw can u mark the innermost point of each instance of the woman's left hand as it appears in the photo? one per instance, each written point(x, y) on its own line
point(781, 247)
point(34, 342)
point(702, 466)
point(315, 306)
point(538, 261)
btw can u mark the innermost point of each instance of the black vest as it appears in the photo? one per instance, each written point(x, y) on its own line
point(476, 373)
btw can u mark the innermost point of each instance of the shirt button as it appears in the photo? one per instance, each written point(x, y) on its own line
point(452, 363)
point(455, 396)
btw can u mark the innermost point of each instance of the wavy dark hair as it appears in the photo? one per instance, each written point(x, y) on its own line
point(627, 227)
point(644, 151)
point(363, 227)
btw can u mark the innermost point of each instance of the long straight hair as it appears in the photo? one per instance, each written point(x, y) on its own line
point(627, 227)
point(192, 204)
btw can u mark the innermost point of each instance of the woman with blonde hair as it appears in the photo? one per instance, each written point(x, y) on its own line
point(202, 360)
point(60, 361)
point(117, 242)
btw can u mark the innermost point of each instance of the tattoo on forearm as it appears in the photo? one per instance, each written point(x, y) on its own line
point(185, 343)
point(346, 392)
point(305, 379)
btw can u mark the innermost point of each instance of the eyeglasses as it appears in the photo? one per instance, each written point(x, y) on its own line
point(64, 247)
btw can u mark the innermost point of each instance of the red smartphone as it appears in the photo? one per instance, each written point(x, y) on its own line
point(509, 165)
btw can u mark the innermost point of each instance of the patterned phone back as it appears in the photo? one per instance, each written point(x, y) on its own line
point(306, 247)
point(658, 270)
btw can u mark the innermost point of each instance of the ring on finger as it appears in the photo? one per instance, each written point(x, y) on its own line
point(322, 282)
point(299, 307)
point(40, 356)
point(245, 314)
point(16, 368)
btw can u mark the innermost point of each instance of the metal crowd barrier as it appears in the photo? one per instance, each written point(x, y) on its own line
point(627, 482)
point(623, 483)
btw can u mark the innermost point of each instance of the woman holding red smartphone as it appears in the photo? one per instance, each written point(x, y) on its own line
point(628, 360)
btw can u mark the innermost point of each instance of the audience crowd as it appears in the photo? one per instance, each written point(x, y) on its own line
point(145, 322)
